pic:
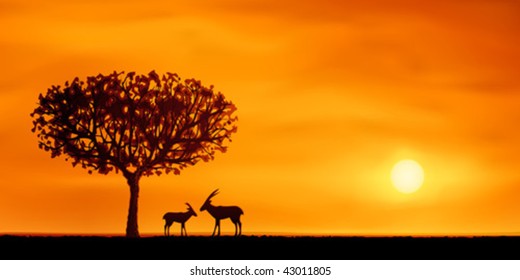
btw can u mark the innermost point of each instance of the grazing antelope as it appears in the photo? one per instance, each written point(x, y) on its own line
point(223, 212)
point(180, 217)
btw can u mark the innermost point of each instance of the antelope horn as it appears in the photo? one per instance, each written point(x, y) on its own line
point(189, 206)
point(215, 192)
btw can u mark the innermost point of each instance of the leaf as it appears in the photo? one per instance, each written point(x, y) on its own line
point(154, 76)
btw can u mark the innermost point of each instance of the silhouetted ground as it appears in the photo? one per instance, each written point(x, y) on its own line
point(258, 248)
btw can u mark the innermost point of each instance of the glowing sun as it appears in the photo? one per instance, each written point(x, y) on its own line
point(407, 176)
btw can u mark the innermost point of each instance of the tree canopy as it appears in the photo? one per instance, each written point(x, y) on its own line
point(134, 123)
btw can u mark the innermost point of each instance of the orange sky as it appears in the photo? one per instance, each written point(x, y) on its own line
point(330, 94)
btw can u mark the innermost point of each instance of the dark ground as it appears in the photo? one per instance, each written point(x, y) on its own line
point(258, 248)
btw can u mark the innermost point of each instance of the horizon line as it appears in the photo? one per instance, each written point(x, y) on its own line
point(282, 234)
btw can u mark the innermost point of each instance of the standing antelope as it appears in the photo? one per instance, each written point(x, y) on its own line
point(180, 217)
point(223, 212)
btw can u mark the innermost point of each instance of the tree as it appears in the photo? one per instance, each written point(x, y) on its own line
point(139, 125)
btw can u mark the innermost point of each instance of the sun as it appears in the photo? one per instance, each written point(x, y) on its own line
point(407, 176)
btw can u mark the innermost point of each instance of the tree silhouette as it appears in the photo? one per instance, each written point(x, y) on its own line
point(138, 125)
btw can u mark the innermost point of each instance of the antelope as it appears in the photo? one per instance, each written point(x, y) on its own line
point(223, 212)
point(180, 217)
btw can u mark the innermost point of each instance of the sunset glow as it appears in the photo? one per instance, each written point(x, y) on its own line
point(330, 95)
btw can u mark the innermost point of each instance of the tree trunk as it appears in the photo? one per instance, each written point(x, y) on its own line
point(131, 223)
